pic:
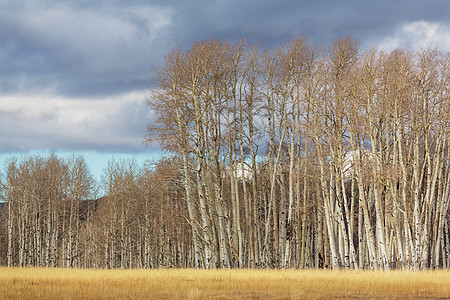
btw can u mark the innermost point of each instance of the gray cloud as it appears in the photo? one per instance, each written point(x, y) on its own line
point(101, 47)
point(273, 22)
point(80, 51)
point(81, 46)
point(112, 124)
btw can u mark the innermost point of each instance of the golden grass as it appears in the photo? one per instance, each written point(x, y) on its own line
point(43, 283)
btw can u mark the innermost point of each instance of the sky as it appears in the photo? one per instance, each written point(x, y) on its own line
point(74, 74)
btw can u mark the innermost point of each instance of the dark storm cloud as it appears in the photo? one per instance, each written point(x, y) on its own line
point(274, 22)
point(97, 47)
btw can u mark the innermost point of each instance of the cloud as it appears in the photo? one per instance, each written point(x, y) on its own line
point(73, 73)
point(81, 49)
point(84, 48)
point(109, 124)
point(417, 35)
point(100, 40)
point(275, 22)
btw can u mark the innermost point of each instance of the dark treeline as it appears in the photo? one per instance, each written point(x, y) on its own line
point(297, 157)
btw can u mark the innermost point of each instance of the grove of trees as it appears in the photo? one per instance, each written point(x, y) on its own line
point(52, 217)
point(295, 157)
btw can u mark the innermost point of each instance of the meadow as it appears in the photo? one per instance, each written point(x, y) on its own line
point(45, 283)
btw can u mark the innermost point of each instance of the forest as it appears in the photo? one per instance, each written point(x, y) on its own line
point(293, 157)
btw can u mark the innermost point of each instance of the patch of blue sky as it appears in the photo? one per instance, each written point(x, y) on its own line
point(96, 161)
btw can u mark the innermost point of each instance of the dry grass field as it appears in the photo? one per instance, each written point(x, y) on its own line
point(40, 283)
